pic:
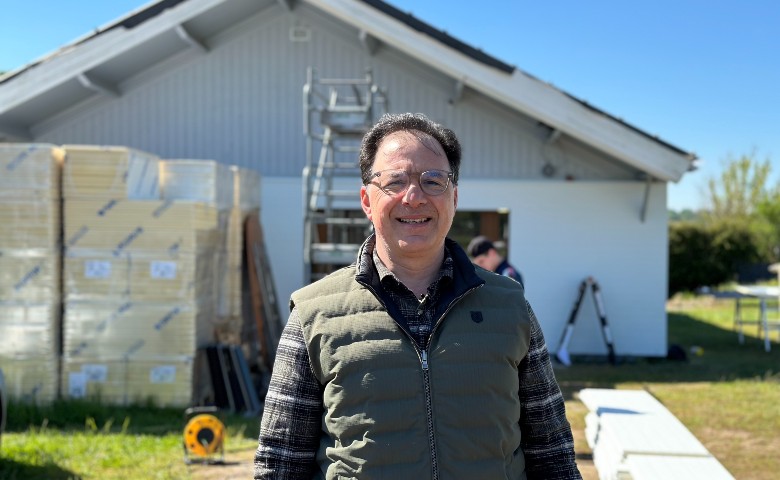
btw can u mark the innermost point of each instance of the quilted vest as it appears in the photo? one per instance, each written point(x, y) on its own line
point(394, 412)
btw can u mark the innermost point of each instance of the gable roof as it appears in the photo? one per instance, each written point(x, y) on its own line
point(94, 65)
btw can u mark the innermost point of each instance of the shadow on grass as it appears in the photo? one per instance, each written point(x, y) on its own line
point(721, 358)
point(12, 470)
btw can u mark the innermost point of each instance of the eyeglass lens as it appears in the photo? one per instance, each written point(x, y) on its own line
point(432, 182)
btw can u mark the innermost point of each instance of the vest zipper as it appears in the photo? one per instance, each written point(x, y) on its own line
point(429, 414)
point(423, 355)
point(427, 385)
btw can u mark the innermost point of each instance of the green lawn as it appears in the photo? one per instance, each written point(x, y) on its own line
point(729, 397)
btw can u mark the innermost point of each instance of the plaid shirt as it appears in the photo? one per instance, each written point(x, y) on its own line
point(419, 314)
point(291, 426)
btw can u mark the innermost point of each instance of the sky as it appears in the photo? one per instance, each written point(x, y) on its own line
point(703, 75)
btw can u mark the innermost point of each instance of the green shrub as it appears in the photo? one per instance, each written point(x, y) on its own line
point(706, 254)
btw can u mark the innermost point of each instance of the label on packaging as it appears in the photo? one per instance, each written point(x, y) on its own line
point(162, 374)
point(163, 270)
point(97, 269)
point(95, 373)
point(77, 385)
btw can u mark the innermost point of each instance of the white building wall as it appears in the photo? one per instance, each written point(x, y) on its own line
point(561, 233)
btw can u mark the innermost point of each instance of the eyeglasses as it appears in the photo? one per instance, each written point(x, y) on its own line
point(393, 182)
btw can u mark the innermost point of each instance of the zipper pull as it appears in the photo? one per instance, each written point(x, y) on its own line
point(425, 360)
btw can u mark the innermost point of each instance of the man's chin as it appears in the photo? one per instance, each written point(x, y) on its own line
point(415, 246)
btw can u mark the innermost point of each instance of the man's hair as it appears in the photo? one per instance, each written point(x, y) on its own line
point(478, 246)
point(410, 122)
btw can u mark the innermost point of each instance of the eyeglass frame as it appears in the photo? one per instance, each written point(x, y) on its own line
point(447, 174)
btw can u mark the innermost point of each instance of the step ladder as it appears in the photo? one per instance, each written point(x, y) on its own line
point(337, 113)
point(562, 353)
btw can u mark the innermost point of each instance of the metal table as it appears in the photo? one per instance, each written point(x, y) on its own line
point(762, 294)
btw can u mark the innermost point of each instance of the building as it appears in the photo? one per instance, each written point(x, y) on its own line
point(583, 193)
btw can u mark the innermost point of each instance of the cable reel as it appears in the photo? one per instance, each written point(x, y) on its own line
point(204, 436)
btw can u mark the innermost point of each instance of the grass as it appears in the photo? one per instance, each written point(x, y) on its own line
point(85, 440)
point(729, 397)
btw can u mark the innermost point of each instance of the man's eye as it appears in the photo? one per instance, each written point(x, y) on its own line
point(395, 181)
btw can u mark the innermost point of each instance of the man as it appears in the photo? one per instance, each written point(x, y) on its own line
point(410, 364)
point(484, 253)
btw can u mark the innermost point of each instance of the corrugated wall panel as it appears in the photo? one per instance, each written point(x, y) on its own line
point(241, 103)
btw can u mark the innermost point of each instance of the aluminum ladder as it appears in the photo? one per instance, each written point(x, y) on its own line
point(337, 113)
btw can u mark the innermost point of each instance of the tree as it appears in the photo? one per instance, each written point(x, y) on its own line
point(769, 210)
point(740, 189)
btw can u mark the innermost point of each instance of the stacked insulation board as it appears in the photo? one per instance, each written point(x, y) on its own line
point(139, 275)
point(30, 301)
point(210, 183)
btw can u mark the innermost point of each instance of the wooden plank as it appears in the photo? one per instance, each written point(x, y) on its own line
point(262, 290)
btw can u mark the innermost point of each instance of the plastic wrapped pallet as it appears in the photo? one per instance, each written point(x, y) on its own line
point(211, 183)
point(29, 354)
point(117, 172)
point(142, 276)
point(166, 381)
point(246, 188)
point(26, 277)
point(198, 180)
point(30, 215)
point(139, 284)
point(30, 171)
point(128, 339)
point(123, 226)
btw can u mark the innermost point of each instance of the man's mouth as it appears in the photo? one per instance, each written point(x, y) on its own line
point(414, 221)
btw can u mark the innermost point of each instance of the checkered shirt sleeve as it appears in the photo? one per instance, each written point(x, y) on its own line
point(546, 434)
point(291, 425)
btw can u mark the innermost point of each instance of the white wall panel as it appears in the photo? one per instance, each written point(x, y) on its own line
point(561, 233)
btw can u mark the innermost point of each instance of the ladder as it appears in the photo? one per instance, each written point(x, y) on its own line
point(562, 354)
point(337, 113)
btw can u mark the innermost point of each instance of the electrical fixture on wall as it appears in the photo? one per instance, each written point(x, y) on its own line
point(548, 170)
point(300, 34)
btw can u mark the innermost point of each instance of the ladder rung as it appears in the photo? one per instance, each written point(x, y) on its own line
point(344, 165)
point(350, 222)
point(345, 194)
point(347, 148)
point(334, 253)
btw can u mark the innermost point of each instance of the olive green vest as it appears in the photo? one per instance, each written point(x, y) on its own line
point(386, 416)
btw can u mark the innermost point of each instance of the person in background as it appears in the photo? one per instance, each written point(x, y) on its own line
point(411, 363)
point(484, 253)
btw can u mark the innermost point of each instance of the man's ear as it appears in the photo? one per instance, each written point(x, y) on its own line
point(365, 201)
point(455, 194)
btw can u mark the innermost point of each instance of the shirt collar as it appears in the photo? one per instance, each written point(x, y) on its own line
point(388, 278)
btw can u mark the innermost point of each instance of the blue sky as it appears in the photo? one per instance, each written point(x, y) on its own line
point(703, 75)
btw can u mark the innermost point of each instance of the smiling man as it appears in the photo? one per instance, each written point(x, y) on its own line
point(411, 363)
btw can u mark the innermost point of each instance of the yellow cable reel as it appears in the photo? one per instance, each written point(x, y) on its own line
point(204, 435)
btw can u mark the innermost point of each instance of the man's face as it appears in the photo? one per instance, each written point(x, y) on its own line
point(488, 260)
point(410, 224)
